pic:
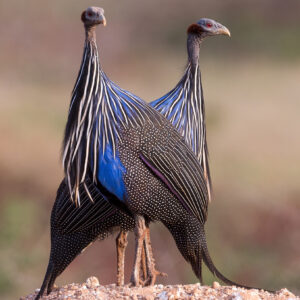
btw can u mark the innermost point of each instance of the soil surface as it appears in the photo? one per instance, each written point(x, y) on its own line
point(92, 290)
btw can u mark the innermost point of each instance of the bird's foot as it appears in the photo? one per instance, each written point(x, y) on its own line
point(152, 276)
point(132, 283)
point(135, 281)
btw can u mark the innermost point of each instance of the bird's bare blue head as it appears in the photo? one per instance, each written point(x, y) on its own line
point(207, 27)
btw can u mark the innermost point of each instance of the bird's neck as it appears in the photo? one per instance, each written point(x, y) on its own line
point(193, 49)
point(80, 119)
point(90, 34)
point(89, 69)
point(193, 72)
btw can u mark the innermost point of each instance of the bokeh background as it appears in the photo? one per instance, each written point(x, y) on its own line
point(252, 92)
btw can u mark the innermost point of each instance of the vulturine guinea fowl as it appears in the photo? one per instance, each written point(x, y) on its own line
point(137, 159)
point(184, 104)
point(142, 153)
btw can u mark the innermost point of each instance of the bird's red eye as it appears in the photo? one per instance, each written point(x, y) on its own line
point(90, 14)
point(208, 24)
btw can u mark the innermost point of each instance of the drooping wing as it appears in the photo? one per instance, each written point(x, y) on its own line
point(70, 217)
point(178, 168)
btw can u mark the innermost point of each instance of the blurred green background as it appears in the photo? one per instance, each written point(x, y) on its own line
point(252, 92)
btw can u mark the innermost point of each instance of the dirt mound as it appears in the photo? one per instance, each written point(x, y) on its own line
point(92, 290)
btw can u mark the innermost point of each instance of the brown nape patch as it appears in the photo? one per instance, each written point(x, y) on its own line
point(194, 28)
point(83, 18)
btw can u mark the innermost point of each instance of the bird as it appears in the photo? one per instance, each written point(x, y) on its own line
point(130, 150)
point(75, 225)
point(184, 104)
point(150, 126)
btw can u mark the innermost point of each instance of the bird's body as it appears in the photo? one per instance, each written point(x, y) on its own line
point(129, 148)
point(139, 135)
point(125, 158)
point(74, 228)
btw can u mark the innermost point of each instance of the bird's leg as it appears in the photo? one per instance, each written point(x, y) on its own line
point(139, 231)
point(151, 270)
point(144, 263)
point(121, 243)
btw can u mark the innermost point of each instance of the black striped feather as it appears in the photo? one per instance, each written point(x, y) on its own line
point(179, 169)
point(99, 109)
point(72, 218)
point(184, 107)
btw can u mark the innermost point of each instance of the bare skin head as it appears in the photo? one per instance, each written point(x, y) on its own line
point(199, 31)
point(93, 16)
point(208, 27)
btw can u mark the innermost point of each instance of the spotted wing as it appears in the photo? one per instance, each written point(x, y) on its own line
point(176, 165)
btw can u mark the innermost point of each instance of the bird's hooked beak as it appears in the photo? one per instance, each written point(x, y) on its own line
point(208, 27)
point(102, 20)
point(223, 30)
point(98, 15)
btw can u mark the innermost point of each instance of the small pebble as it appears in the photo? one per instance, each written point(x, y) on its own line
point(92, 282)
point(236, 296)
point(163, 296)
point(216, 285)
point(286, 292)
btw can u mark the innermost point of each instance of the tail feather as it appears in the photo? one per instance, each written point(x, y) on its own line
point(190, 238)
point(196, 264)
point(45, 282)
point(51, 283)
point(209, 263)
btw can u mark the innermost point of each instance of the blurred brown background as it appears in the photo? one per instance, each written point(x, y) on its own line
point(252, 91)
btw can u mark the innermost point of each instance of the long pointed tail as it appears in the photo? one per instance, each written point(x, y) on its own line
point(190, 238)
point(44, 286)
point(209, 263)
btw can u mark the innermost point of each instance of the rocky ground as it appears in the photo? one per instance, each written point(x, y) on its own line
point(92, 290)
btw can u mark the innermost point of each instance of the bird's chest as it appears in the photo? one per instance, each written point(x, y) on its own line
point(137, 179)
point(111, 172)
point(128, 148)
point(117, 159)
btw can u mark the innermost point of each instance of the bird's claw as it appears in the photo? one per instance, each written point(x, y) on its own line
point(152, 277)
point(134, 283)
